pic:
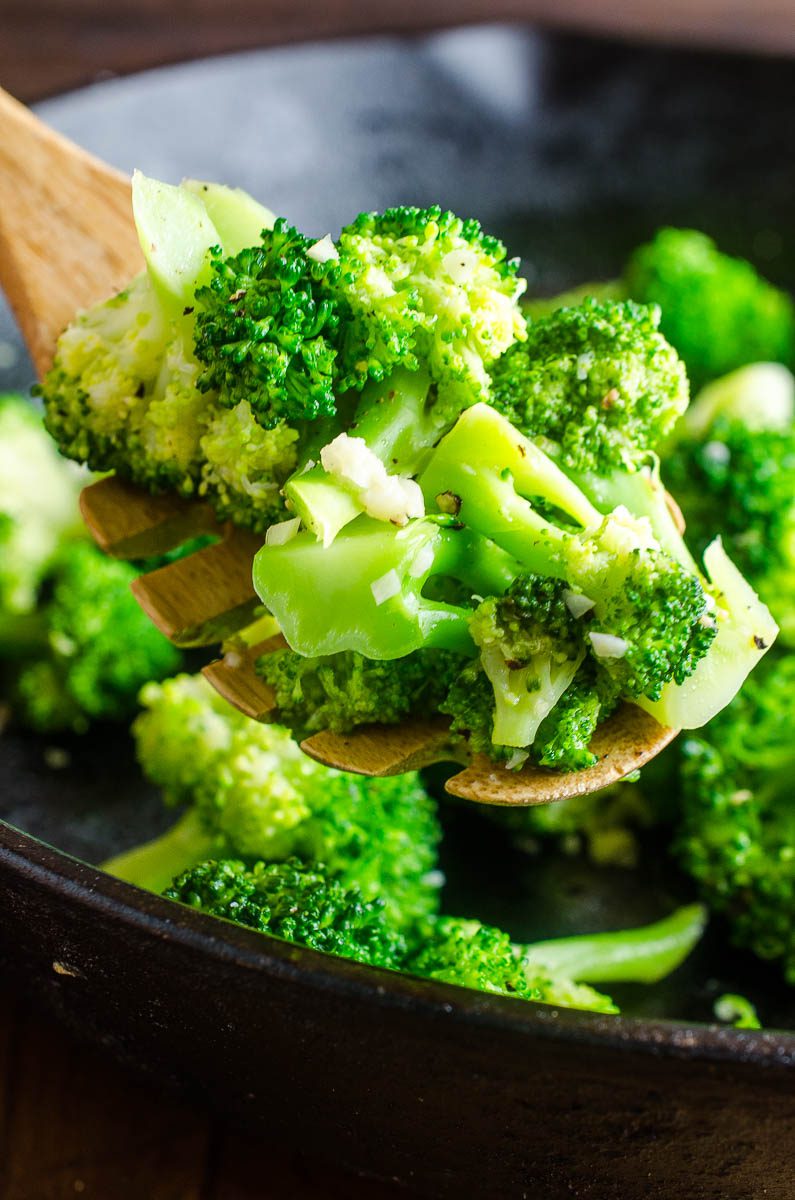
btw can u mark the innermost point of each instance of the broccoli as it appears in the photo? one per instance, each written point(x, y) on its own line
point(425, 286)
point(304, 904)
point(123, 392)
point(252, 794)
point(266, 328)
point(470, 954)
point(38, 504)
point(74, 646)
point(296, 902)
point(367, 592)
point(432, 303)
point(732, 468)
point(87, 650)
point(737, 835)
point(649, 623)
point(598, 380)
point(716, 310)
point(340, 691)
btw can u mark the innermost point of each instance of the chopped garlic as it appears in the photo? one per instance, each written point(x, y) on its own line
point(385, 587)
point(607, 645)
point(384, 497)
point(517, 760)
point(282, 532)
point(577, 604)
point(323, 251)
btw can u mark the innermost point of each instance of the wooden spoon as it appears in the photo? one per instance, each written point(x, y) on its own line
point(67, 241)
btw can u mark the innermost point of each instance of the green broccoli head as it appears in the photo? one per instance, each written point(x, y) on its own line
point(564, 736)
point(737, 835)
point(716, 310)
point(38, 503)
point(266, 328)
point(97, 648)
point(123, 395)
point(341, 691)
point(653, 626)
point(425, 287)
point(467, 953)
point(252, 794)
point(295, 902)
point(598, 379)
point(741, 481)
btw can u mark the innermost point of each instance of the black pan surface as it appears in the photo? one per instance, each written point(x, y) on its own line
point(573, 150)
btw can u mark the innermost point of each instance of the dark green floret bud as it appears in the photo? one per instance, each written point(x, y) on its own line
point(266, 328)
point(294, 902)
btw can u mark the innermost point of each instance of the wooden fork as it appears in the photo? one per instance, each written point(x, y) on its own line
point(67, 240)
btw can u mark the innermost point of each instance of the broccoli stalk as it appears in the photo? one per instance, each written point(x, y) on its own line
point(252, 795)
point(371, 581)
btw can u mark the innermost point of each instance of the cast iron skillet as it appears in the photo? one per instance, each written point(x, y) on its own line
point(572, 150)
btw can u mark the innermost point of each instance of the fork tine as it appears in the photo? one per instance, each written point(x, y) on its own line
point(383, 749)
point(235, 678)
point(128, 522)
point(204, 597)
point(623, 743)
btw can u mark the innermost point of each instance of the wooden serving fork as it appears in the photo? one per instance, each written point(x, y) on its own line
point(67, 241)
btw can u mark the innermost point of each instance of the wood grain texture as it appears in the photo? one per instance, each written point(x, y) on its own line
point(52, 45)
point(66, 234)
point(127, 522)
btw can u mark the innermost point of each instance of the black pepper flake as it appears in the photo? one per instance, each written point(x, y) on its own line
point(522, 450)
point(449, 502)
point(186, 312)
point(139, 391)
point(760, 642)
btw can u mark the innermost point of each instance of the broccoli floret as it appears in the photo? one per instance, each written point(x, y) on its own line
point(341, 691)
point(598, 380)
point(123, 393)
point(530, 649)
point(426, 287)
point(87, 650)
point(716, 310)
point(564, 736)
point(38, 504)
point(266, 328)
point(737, 835)
point(646, 620)
point(295, 902)
point(470, 954)
point(733, 469)
point(252, 794)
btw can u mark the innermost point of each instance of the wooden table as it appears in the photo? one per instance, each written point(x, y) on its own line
point(72, 1125)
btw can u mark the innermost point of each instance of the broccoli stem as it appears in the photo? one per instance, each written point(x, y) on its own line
point(643, 955)
point(156, 864)
point(395, 419)
point(366, 590)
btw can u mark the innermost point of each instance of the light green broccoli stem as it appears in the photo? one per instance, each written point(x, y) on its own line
point(156, 864)
point(643, 955)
